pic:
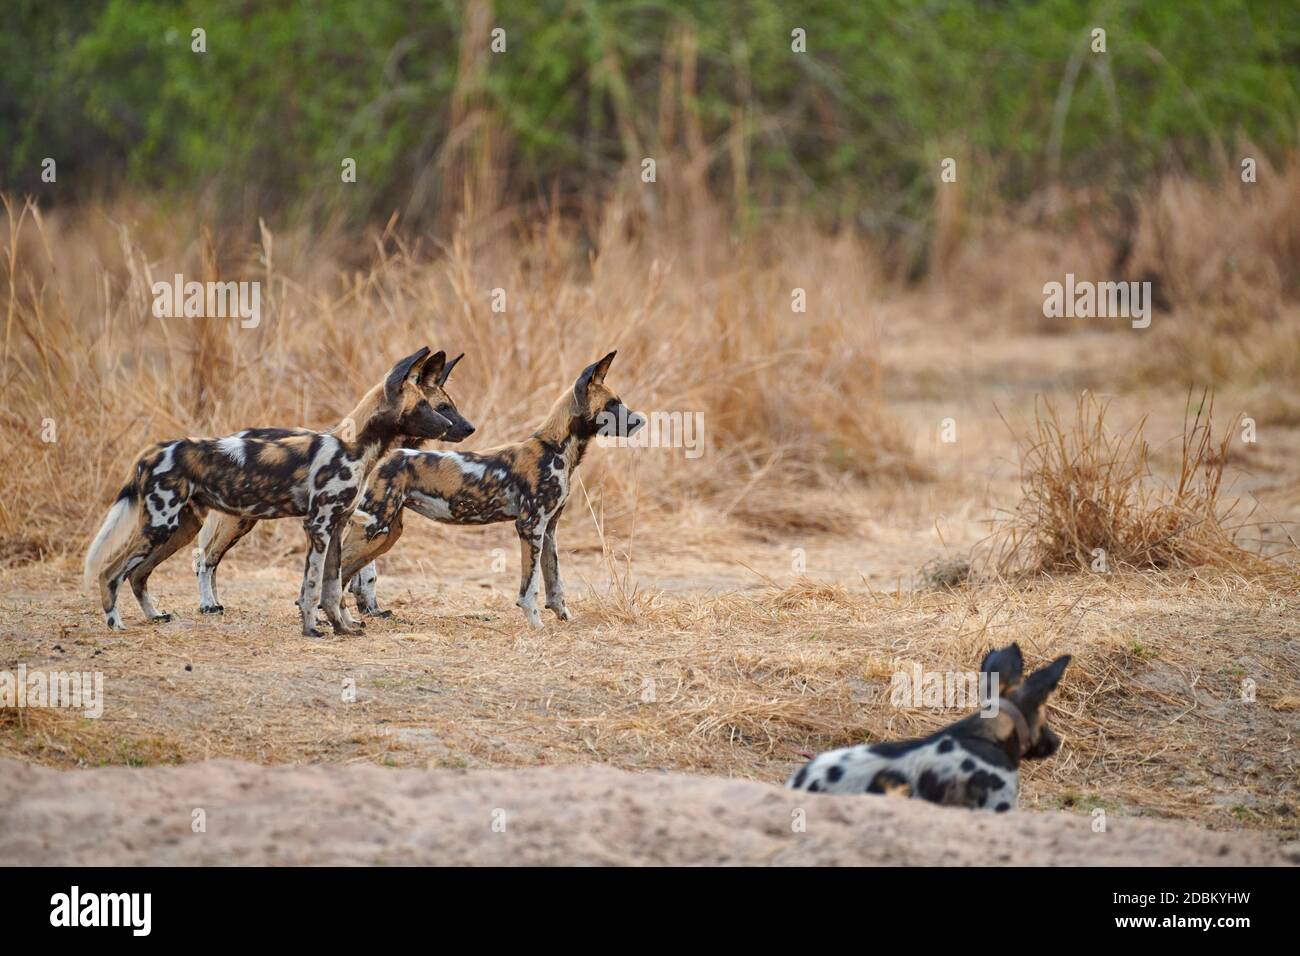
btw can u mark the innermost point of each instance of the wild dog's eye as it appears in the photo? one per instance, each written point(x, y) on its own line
point(444, 409)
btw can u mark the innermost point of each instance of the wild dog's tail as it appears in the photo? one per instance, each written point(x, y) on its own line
point(118, 525)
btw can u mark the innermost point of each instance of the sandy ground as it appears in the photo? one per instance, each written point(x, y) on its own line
point(227, 812)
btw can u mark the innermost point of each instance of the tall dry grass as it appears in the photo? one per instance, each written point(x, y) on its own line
point(1223, 257)
point(1224, 243)
point(787, 396)
point(1089, 499)
point(1226, 255)
point(698, 303)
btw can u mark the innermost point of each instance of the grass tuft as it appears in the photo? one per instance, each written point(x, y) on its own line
point(1089, 500)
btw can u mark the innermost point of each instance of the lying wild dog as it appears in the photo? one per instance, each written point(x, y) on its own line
point(972, 763)
point(528, 483)
point(316, 476)
point(221, 531)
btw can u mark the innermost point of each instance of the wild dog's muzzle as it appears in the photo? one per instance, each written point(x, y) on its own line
point(1048, 744)
point(460, 429)
point(618, 421)
point(424, 422)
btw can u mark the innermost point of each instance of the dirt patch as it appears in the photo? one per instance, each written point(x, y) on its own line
point(331, 815)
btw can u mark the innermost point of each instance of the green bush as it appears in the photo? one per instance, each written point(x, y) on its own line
point(886, 89)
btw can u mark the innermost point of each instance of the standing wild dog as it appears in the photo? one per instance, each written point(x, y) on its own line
point(972, 763)
point(221, 531)
point(526, 482)
point(316, 476)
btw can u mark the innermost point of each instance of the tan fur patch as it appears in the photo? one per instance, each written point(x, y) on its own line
point(272, 454)
point(439, 476)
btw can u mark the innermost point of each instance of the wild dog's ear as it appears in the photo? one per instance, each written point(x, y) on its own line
point(593, 374)
point(397, 375)
point(1043, 681)
point(446, 369)
point(600, 368)
point(1007, 663)
point(433, 368)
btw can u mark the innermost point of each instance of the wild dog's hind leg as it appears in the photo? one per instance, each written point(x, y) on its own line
point(110, 580)
point(186, 529)
point(551, 570)
point(163, 509)
point(532, 531)
point(220, 533)
point(363, 589)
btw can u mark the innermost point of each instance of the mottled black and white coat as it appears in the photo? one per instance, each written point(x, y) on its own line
point(222, 531)
point(527, 482)
point(316, 476)
point(973, 763)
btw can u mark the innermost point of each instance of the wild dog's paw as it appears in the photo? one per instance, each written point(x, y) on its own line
point(561, 612)
point(312, 632)
point(342, 618)
point(319, 619)
point(211, 609)
point(534, 619)
point(160, 618)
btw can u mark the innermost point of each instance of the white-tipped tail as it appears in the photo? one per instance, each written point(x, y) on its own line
point(113, 534)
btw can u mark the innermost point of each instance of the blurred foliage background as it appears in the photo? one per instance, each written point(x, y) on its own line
point(854, 129)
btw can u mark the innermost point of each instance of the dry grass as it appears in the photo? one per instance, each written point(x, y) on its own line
point(1226, 255)
point(1091, 502)
point(1226, 243)
point(788, 397)
point(1216, 344)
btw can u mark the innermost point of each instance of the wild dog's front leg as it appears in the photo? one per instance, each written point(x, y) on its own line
point(362, 583)
point(551, 570)
point(369, 539)
point(532, 531)
point(331, 601)
point(318, 542)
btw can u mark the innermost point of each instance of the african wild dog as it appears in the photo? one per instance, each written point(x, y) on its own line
point(972, 763)
point(527, 482)
point(221, 531)
point(316, 476)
